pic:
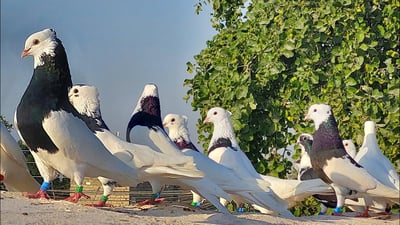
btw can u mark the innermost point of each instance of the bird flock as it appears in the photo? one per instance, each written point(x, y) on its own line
point(62, 125)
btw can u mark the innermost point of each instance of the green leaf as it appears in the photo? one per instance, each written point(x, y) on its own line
point(360, 36)
point(351, 81)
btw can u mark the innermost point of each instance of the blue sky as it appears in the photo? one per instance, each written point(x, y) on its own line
point(117, 46)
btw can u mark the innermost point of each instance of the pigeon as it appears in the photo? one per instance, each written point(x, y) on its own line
point(13, 169)
point(306, 172)
point(334, 165)
point(371, 158)
point(245, 189)
point(329, 201)
point(225, 150)
point(378, 165)
point(53, 130)
point(350, 148)
point(147, 114)
point(149, 163)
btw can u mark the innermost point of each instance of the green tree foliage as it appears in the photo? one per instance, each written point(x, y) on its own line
point(272, 59)
point(5, 123)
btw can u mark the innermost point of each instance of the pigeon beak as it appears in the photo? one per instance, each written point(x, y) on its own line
point(307, 117)
point(206, 120)
point(25, 52)
point(164, 124)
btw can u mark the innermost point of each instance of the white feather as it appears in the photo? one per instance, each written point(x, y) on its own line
point(13, 165)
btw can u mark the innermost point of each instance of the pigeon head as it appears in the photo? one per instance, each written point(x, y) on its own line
point(85, 100)
point(40, 43)
point(369, 127)
point(349, 147)
point(177, 127)
point(175, 121)
point(178, 131)
point(319, 113)
point(217, 114)
point(149, 101)
point(305, 141)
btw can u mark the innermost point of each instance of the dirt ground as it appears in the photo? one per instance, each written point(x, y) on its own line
point(15, 209)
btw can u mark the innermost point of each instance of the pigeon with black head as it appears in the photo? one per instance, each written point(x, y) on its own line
point(53, 130)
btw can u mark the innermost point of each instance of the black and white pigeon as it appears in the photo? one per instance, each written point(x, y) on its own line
point(147, 114)
point(13, 169)
point(225, 150)
point(306, 172)
point(329, 201)
point(335, 167)
point(250, 190)
point(148, 163)
point(53, 130)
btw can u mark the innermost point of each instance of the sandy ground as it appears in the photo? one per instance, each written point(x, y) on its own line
point(17, 210)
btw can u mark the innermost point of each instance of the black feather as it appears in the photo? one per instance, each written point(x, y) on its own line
point(221, 142)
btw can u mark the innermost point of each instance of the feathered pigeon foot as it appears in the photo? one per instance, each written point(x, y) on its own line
point(152, 201)
point(365, 214)
point(388, 211)
point(75, 198)
point(101, 203)
point(39, 194)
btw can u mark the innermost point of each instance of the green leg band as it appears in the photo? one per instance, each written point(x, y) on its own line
point(79, 189)
point(104, 198)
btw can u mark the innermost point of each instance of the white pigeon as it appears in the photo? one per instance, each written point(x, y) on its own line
point(149, 163)
point(13, 169)
point(336, 168)
point(225, 150)
point(378, 165)
point(246, 189)
point(53, 130)
point(350, 148)
point(374, 161)
point(147, 114)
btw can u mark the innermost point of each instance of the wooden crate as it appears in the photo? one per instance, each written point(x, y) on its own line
point(124, 196)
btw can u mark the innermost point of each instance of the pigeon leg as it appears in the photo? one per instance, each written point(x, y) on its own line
point(337, 211)
point(388, 210)
point(42, 193)
point(240, 209)
point(101, 202)
point(77, 195)
point(323, 209)
point(365, 214)
point(155, 199)
point(1, 177)
point(38, 194)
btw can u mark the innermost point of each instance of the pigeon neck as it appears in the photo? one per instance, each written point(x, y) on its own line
point(327, 135)
point(224, 129)
point(370, 142)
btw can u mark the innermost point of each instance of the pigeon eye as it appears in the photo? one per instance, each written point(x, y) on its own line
point(35, 42)
point(346, 144)
point(173, 120)
point(76, 91)
point(315, 110)
point(215, 113)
